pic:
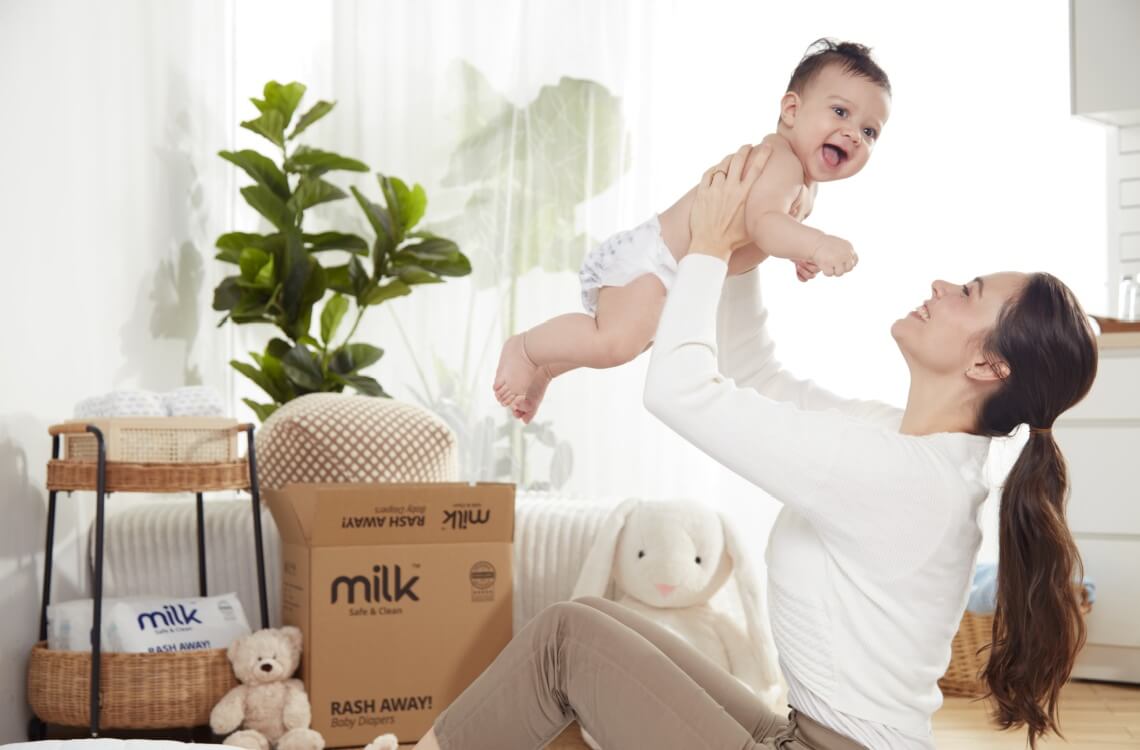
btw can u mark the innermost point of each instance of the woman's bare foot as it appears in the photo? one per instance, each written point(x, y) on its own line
point(515, 373)
point(527, 408)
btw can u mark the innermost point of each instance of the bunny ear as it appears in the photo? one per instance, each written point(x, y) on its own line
point(598, 567)
point(751, 600)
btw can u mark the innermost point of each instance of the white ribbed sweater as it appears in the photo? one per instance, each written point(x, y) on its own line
point(870, 559)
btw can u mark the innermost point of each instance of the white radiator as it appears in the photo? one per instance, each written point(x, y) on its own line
point(152, 549)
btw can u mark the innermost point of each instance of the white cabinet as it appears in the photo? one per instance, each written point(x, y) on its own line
point(1104, 40)
point(1100, 438)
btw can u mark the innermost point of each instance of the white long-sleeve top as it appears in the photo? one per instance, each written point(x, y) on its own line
point(871, 556)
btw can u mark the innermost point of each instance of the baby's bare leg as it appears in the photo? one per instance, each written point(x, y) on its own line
point(624, 325)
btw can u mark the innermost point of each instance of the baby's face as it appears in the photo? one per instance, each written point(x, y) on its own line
point(836, 124)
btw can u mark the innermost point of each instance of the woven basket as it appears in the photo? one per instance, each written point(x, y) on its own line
point(156, 440)
point(137, 691)
point(125, 477)
point(963, 676)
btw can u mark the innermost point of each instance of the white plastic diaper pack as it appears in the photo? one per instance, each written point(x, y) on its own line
point(149, 625)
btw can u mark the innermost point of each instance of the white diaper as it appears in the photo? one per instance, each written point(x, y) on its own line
point(623, 258)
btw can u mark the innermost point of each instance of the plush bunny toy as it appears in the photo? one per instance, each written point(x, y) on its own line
point(668, 559)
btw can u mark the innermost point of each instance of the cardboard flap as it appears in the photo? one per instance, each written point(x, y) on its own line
point(333, 515)
point(293, 508)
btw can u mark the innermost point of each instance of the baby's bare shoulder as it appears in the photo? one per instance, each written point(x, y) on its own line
point(783, 175)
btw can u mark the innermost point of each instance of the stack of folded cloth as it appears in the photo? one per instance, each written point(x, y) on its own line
point(189, 401)
point(983, 592)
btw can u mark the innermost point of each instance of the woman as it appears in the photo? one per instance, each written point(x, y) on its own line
point(869, 561)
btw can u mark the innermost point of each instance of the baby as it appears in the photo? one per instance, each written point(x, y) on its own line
point(837, 102)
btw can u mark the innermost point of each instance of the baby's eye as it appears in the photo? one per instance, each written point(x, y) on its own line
point(966, 290)
point(870, 133)
point(839, 111)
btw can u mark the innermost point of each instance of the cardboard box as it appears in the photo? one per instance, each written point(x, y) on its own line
point(403, 592)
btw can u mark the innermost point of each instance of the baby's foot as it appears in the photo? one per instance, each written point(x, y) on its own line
point(515, 372)
point(527, 408)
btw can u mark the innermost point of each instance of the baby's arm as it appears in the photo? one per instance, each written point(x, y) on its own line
point(773, 229)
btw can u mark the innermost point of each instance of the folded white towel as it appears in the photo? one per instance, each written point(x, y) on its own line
point(193, 401)
point(188, 401)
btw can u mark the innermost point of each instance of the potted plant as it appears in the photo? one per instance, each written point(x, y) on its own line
point(280, 277)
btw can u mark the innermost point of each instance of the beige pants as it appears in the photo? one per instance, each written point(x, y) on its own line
point(630, 682)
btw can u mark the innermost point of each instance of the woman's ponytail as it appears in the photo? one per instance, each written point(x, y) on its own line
point(1038, 628)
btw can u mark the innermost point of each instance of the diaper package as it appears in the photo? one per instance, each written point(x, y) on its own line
point(149, 625)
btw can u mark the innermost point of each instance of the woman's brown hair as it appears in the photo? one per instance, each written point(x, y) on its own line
point(1045, 338)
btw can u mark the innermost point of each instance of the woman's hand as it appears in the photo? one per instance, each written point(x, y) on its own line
point(717, 218)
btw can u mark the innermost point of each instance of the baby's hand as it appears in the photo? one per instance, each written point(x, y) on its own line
point(834, 256)
point(805, 270)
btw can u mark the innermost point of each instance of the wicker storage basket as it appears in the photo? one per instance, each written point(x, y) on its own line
point(966, 664)
point(157, 440)
point(138, 691)
point(963, 676)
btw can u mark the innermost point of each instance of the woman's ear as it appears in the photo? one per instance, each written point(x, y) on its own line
point(986, 371)
point(599, 565)
point(789, 107)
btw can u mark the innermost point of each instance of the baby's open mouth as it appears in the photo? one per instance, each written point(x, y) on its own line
point(833, 155)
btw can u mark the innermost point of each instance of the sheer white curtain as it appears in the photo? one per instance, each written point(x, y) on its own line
point(539, 128)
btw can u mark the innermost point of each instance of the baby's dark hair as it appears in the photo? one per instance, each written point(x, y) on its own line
point(854, 58)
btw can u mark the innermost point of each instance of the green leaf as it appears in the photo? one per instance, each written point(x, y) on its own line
point(296, 276)
point(227, 294)
point(263, 411)
point(258, 377)
point(241, 240)
point(378, 217)
point(315, 285)
point(362, 384)
point(353, 357)
point(266, 203)
point(378, 294)
point(270, 124)
point(397, 197)
point(316, 162)
point(313, 190)
point(261, 169)
point(416, 275)
point(338, 280)
point(253, 305)
point(358, 278)
point(229, 256)
point(353, 243)
point(436, 254)
point(283, 98)
point(319, 110)
point(252, 260)
point(331, 316)
point(277, 348)
point(301, 367)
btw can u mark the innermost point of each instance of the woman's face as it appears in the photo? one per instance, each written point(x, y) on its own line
point(944, 335)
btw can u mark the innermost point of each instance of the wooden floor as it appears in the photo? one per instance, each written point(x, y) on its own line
point(1096, 716)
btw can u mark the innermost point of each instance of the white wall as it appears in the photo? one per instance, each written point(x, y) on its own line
point(111, 197)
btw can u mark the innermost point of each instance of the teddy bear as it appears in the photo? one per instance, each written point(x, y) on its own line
point(268, 708)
